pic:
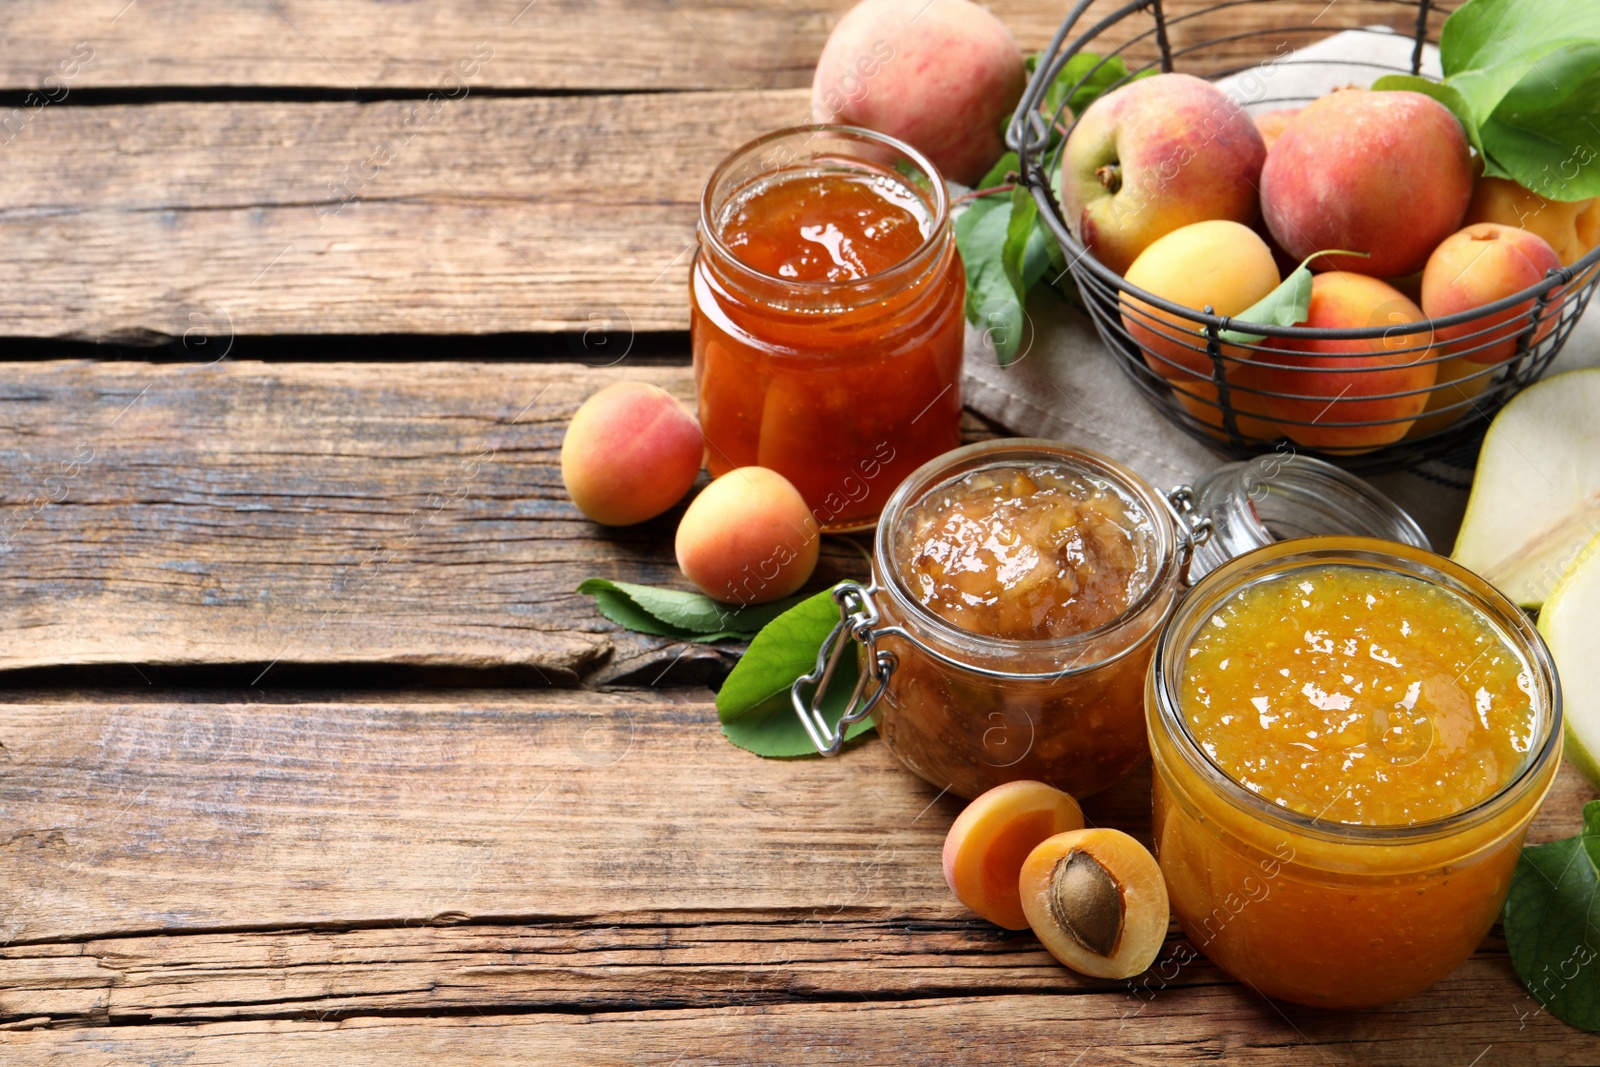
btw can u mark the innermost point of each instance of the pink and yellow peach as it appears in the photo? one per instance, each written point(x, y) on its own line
point(630, 453)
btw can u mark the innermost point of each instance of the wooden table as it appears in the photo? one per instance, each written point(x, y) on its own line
point(309, 753)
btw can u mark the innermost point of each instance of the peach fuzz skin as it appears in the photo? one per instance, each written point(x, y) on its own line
point(987, 844)
point(1333, 377)
point(941, 76)
point(1572, 228)
point(748, 538)
point(1388, 173)
point(630, 452)
point(1479, 265)
point(1157, 154)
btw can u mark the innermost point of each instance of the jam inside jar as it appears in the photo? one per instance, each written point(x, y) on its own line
point(827, 322)
point(1027, 581)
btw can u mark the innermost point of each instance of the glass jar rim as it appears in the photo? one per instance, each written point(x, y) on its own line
point(1010, 451)
point(932, 241)
point(1278, 558)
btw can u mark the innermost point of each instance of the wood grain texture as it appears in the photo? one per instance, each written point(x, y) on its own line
point(487, 215)
point(570, 858)
point(253, 514)
point(546, 44)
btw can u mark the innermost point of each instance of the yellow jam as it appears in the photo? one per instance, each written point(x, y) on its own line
point(1356, 695)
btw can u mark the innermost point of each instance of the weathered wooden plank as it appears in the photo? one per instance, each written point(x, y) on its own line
point(1442, 1028)
point(483, 216)
point(545, 44)
point(304, 514)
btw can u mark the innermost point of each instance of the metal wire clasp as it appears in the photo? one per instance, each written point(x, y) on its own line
point(1194, 529)
point(857, 617)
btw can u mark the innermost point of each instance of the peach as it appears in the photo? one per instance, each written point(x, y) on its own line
point(1154, 156)
point(1388, 173)
point(1271, 124)
point(1572, 227)
point(986, 845)
point(748, 538)
point(1479, 265)
point(1458, 381)
point(630, 452)
point(941, 75)
point(1336, 383)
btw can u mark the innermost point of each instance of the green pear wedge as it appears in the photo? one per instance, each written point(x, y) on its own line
point(1536, 495)
point(1570, 622)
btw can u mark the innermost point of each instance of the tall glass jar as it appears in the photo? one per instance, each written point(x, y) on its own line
point(827, 323)
point(1321, 912)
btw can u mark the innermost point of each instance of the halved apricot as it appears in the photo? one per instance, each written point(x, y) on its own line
point(987, 843)
point(1097, 900)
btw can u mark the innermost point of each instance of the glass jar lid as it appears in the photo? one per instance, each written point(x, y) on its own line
point(1276, 497)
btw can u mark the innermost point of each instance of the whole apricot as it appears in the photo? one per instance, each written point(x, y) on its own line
point(1335, 386)
point(630, 452)
point(748, 538)
point(1387, 173)
point(1218, 264)
point(1097, 901)
point(1572, 227)
point(1153, 156)
point(941, 75)
point(1480, 265)
point(990, 839)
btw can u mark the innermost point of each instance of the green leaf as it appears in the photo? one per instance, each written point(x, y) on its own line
point(1485, 34)
point(1025, 254)
point(1543, 133)
point(677, 614)
point(1552, 923)
point(754, 704)
point(993, 303)
point(1097, 78)
point(998, 174)
point(1448, 95)
point(1287, 305)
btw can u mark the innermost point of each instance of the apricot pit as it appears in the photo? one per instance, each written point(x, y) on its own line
point(988, 842)
point(1097, 901)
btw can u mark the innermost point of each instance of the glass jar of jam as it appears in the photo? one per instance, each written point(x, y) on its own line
point(1350, 739)
point(827, 322)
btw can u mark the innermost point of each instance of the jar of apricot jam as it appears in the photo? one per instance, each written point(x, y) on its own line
point(1350, 739)
point(826, 320)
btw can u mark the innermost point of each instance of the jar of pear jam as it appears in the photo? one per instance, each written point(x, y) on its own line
point(826, 317)
point(1018, 586)
point(1350, 738)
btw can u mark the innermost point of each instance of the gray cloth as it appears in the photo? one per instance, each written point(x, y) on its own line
point(1067, 386)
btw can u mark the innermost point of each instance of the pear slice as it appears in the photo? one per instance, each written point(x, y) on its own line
point(1536, 496)
point(1570, 622)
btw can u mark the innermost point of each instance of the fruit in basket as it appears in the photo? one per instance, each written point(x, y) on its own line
point(1536, 495)
point(1218, 264)
point(941, 75)
point(1153, 156)
point(1571, 227)
point(987, 844)
point(748, 538)
point(1480, 265)
point(1457, 383)
point(1097, 901)
point(1570, 623)
point(630, 452)
point(1271, 124)
point(1337, 382)
point(1388, 173)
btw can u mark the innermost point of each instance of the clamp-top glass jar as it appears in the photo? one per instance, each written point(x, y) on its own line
point(1018, 590)
point(826, 317)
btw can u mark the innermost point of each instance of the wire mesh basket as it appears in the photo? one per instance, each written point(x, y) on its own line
point(1232, 391)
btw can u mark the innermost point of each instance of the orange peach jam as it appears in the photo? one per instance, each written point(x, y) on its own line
point(1359, 696)
point(1028, 553)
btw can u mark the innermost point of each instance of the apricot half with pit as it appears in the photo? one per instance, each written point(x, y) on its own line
point(988, 842)
point(1097, 901)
